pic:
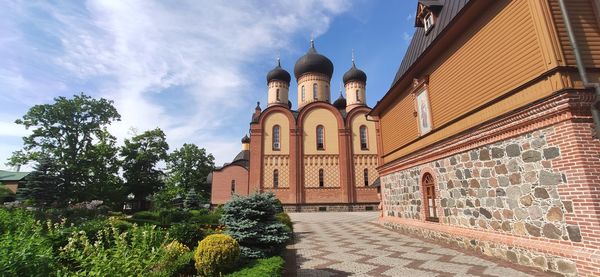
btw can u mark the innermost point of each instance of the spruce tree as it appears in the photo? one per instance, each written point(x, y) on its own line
point(40, 186)
point(192, 200)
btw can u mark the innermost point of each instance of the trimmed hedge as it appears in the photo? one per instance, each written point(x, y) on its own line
point(269, 267)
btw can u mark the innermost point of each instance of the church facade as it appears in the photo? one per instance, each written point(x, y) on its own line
point(320, 157)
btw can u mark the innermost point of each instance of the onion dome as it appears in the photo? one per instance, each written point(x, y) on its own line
point(340, 103)
point(313, 62)
point(355, 74)
point(289, 104)
point(278, 73)
point(246, 139)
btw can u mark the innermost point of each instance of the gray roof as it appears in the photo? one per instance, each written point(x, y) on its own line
point(312, 61)
point(422, 40)
point(12, 176)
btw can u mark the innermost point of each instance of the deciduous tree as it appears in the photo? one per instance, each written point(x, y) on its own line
point(141, 157)
point(68, 134)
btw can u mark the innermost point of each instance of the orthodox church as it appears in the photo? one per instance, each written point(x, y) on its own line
point(320, 157)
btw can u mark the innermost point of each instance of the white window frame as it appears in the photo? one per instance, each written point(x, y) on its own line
point(428, 22)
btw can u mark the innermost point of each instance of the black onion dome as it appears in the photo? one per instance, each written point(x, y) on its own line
point(246, 139)
point(313, 62)
point(278, 73)
point(355, 74)
point(340, 103)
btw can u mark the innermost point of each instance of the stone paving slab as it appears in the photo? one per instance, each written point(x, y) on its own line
point(351, 244)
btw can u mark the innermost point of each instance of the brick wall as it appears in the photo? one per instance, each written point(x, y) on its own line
point(221, 184)
point(530, 195)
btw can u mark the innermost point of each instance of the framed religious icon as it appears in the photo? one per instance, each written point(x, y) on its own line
point(423, 112)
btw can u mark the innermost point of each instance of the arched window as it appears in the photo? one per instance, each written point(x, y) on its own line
point(277, 96)
point(303, 93)
point(366, 177)
point(276, 178)
point(429, 192)
point(320, 137)
point(363, 137)
point(276, 138)
point(232, 187)
point(357, 97)
point(315, 91)
point(321, 178)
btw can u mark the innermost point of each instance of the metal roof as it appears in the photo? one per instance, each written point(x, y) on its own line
point(422, 40)
point(12, 176)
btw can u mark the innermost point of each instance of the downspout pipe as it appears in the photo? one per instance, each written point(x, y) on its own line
point(581, 67)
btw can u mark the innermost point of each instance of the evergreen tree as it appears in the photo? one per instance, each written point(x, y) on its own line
point(40, 185)
point(192, 200)
point(252, 221)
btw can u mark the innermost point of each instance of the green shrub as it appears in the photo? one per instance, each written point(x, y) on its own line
point(269, 267)
point(188, 234)
point(251, 221)
point(6, 194)
point(146, 215)
point(139, 251)
point(24, 250)
point(285, 219)
point(175, 253)
point(216, 254)
point(142, 222)
point(170, 216)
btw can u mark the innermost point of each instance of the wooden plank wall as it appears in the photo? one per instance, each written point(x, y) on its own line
point(499, 53)
point(586, 27)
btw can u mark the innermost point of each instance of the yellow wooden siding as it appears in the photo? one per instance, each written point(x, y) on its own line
point(499, 53)
point(502, 55)
point(398, 125)
point(585, 24)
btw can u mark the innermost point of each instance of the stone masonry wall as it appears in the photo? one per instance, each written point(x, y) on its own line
point(508, 187)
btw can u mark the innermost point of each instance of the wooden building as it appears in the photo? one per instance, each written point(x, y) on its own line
point(487, 137)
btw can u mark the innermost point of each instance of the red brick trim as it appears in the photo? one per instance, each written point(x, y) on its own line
point(560, 107)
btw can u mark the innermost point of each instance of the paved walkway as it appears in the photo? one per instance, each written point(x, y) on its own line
point(350, 244)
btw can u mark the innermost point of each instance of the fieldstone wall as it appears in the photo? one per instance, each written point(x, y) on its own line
point(522, 256)
point(508, 187)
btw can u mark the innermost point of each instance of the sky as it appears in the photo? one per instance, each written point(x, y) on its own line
point(194, 68)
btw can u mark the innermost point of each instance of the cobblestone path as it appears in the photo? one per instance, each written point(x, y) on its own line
point(350, 244)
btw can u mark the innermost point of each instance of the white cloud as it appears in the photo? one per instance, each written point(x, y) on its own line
point(11, 129)
point(139, 50)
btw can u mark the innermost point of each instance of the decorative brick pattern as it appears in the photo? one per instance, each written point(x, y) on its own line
point(281, 163)
point(330, 166)
point(360, 163)
point(349, 244)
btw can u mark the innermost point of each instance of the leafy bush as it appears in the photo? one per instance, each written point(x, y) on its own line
point(216, 254)
point(24, 251)
point(6, 195)
point(188, 234)
point(285, 219)
point(175, 253)
point(147, 215)
point(170, 216)
point(251, 221)
point(137, 252)
point(270, 267)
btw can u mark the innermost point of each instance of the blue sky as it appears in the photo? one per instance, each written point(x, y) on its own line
point(193, 68)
